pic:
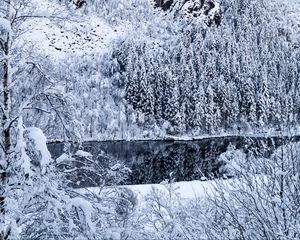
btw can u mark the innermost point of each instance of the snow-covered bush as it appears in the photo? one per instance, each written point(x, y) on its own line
point(40, 204)
point(37, 204)
point(164, 214)
point(82, 169)
point(260, 206)
point(231, 162)
point(260, 202)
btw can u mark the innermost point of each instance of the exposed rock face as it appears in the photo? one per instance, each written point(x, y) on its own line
point(79, 3)
point(164, 4)
point(208, 10)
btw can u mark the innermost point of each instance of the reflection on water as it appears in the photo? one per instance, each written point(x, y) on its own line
point(156, 161)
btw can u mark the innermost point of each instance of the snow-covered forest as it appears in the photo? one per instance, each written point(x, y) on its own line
point(79, 70)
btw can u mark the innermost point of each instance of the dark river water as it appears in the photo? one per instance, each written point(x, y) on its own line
point(156, 161)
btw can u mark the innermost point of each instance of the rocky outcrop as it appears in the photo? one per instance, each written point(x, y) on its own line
point(207, 10)
point(164, 4)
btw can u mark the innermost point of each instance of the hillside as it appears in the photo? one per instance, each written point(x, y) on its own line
point(153, 69)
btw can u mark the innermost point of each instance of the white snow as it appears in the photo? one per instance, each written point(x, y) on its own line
point(5, 26)
point(40, 141)
point(62, 158)
point(87, 36)
point(185, 190)
point(87, 209)
point(21, 145)
point(190, 137)
point(81, 153)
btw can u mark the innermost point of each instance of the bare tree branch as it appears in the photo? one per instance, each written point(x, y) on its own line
point(57, 113)
point(36, 108)
point(37, 66)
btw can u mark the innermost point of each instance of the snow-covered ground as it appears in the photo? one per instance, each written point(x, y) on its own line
point(88, 37)
point(189, 137)
point(86, 34)
point(184, 190)
point(62, 36)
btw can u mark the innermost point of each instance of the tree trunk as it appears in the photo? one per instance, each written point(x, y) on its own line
point(6, 100)
point(5, 134)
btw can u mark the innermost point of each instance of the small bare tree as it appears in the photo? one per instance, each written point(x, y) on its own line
point(262, 202)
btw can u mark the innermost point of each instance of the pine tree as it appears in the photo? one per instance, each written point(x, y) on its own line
point(247, 101)
point(263, 101)
point(212, 112)
point(171, 103)
point(198, 116)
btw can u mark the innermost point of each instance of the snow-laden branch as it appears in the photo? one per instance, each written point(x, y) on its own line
point(27, 104)
point(37, 108)
point(57, 113)
point(40, 71)
point(24, 17)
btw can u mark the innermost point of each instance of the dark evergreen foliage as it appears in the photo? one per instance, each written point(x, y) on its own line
point(241, 75)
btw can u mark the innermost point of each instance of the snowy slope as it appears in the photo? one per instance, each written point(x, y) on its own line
point(77, 36)
point(91, 30)
point(88, 34)
point(80, 38)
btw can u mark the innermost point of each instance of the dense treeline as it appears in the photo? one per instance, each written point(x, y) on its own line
point(171, 74)
point(242, 74)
